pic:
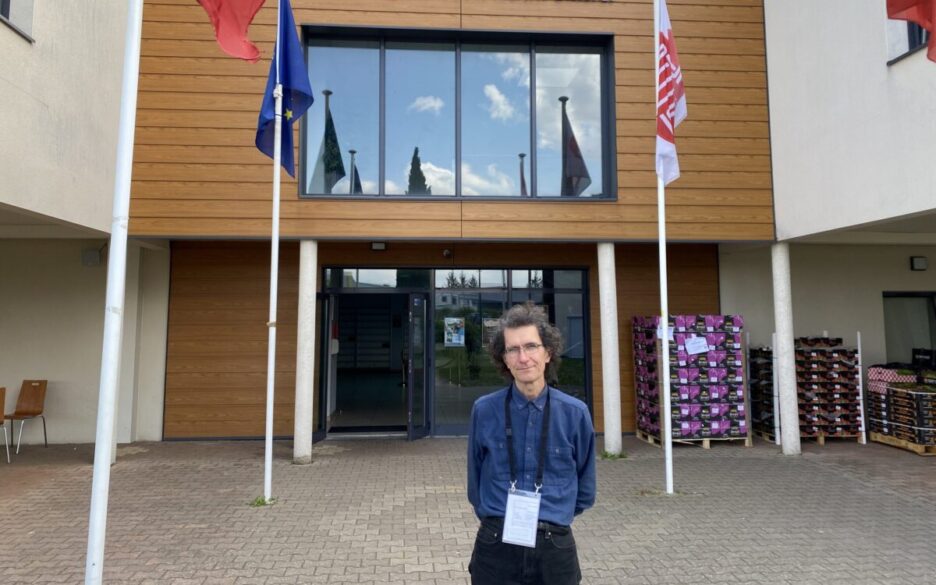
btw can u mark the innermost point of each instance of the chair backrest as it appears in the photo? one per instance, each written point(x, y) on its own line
point(2, 402)
point(31, 398)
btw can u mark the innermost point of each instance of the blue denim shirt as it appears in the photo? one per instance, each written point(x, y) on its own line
point(569, 477)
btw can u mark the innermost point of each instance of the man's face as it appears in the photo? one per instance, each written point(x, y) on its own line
point(526, 365)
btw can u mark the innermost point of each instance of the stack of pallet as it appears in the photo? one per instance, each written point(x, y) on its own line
point(902, 412)
point(707, 389)
point(828, 380)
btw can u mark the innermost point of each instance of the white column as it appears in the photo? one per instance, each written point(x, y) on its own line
point(783, 350)
point(610, 355)
point(305, 352)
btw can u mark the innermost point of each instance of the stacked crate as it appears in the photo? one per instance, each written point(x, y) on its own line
point(707, 389)
point(761, 384)
point(828, 379)
point(902, 412)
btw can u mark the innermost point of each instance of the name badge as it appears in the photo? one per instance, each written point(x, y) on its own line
point(521, 518)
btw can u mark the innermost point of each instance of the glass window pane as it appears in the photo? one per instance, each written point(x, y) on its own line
point(348, 278)
point(464, 372)
point(377, 278)
point(493, 279)
point(495, 119)
point(569, 132)
point(457, 278)
point(420, 118)
point(354, 106)
point(520, 278)
point(568, 314)
point(562, 278)
point(413, 278)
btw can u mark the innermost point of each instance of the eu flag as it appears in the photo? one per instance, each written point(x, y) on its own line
point(289, 69)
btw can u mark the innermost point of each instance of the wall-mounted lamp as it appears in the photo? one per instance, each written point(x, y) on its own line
point(378, 246)
point(919, 263)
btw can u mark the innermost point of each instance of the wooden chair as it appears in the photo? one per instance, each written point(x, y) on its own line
point(6, 441)
point(29, 404)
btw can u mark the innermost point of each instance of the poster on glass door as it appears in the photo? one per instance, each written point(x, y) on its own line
point(454, 332)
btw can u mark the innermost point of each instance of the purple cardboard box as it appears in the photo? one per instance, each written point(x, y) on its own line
point(687, 411)
point(686, 376)
point(715, 340)
point(734, 358)
point(712, 322)
point(687, 429)
point(686, 393)
point(734, 323)
point(716, 375)
point(684, 358)
point(716, 358)
point(684, 322)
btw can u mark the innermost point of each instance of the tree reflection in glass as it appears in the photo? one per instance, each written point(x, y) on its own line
point(420, 114)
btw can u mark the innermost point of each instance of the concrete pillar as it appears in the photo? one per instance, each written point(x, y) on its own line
point(305, 352)
point(610, 354)
point(783, 352)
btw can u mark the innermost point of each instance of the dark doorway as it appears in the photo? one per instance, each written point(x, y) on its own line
point(369, 363)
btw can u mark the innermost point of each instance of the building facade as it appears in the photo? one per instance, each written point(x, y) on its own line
point(438, 183)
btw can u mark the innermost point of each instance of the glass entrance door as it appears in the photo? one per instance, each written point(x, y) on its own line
point(417, 419)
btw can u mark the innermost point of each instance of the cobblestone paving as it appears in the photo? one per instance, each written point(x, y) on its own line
point(388, 511)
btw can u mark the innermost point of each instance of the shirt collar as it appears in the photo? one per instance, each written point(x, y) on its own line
point(520, 401)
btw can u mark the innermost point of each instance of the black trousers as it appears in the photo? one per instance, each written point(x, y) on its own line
point(554, 561)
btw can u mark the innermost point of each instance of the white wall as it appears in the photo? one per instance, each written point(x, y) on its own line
point(852, 138)
point(835, 288)
point(51, 327)
point(59, 106)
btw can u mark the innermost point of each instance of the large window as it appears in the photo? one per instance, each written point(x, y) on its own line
point(458, 114)
point(18, 15)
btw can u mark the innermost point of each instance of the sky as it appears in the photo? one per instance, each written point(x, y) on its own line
point(420, 112)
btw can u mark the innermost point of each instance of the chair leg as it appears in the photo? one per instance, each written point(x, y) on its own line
point(45, 437)
point(6, 442)
point(20, 439)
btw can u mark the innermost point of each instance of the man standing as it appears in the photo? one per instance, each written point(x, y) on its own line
point(531, 461)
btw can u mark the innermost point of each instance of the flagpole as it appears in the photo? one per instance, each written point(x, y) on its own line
point(353, 172)
point(114, 302)
point(521, 155)
point(274, 268)
point(565, 140)
point(665, 414)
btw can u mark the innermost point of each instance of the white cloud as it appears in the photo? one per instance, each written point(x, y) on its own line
point(427, 103)
point(499, 107)
point(516, 67)
point(493, 182)
point(440, 180)
point(391, 188)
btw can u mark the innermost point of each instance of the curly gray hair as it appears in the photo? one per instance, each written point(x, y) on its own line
point(523, 316)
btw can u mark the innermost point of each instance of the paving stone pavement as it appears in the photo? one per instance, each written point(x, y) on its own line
point(389, 511)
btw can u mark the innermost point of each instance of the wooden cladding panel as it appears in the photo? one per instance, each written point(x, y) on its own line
point(196, 173)
point(216, 358)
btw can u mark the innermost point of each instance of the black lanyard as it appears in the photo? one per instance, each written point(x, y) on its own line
point(544, 434)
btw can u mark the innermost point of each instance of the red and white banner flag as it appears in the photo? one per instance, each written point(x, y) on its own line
point(671, 99)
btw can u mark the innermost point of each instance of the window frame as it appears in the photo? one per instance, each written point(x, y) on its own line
point(604, 42)
point(913, 29)
point(6, 10)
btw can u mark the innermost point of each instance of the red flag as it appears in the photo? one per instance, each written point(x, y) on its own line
point(575, 177)
point(231, 19)
point(671, 99)
point(921, 12)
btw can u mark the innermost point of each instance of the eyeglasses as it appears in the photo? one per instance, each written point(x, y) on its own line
point(526, 348)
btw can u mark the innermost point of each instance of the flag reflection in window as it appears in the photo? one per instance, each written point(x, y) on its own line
point(342, 140)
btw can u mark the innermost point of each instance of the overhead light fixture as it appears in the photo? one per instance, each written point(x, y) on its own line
point(919, 263)
point(378, 246)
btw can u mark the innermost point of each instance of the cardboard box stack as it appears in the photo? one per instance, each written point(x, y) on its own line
point(707, 380)
point(828, 384)
point(902, 402)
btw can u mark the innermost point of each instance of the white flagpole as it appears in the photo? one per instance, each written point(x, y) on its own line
point(665, 414)
point(114, 303)
point(274, 267)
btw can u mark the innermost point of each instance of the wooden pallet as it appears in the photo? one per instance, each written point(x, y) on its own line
point(819, 439)
point(706, 443)
point(925, 450)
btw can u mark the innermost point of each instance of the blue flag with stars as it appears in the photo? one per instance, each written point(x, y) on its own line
point(288, 68)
